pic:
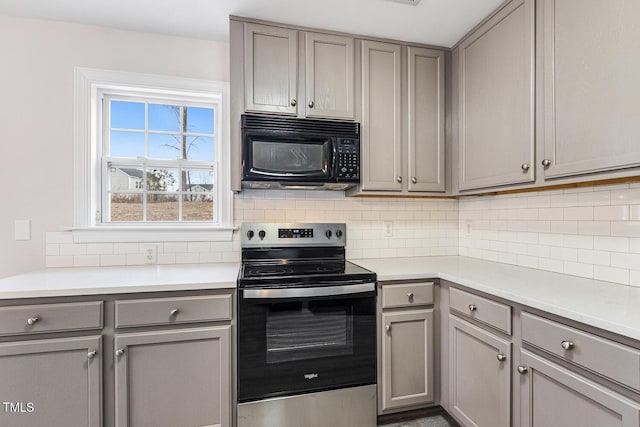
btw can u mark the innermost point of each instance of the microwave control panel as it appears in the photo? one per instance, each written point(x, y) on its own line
point(348, 161)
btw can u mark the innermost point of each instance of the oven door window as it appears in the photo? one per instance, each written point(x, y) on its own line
point(290, 158)
point(308, 330)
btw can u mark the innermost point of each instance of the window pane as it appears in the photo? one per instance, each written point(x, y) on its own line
point(200, 148)
point(127, 115)
point(162, 180)
point(162, 207)
point(162, 146)
point(198, 180)
point(164, 117)
point(125, 179)
point(200, 120)
point(197, 207)
point(126, 207)
point(127, 144)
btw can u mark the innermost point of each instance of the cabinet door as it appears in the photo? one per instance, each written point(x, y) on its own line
point(552, 396)
point(591, 85)
point(425, 109)
point(381, 118)
point(173, 378)
point(329, 76)
point(51, 382)
point(496, 100)
point(271, 69)
point(479, 376)
point(407, 359)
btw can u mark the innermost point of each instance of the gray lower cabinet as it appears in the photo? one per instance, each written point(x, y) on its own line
point(496, 105)
point(591, 86)
point(51, 382)
point(552, 396)
point(479, 376)
point(173, 378)
point(407, 358)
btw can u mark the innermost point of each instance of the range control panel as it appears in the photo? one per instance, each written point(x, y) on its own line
point(286, 234)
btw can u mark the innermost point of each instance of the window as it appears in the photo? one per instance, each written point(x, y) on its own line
point(151, 154)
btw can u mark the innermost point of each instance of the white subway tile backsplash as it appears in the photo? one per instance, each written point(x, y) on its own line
point(86, 261)
point(596, 198)
point(113, 260)
point(611, 274)
point(578, 269)
point(611, 213)
point(612, 244)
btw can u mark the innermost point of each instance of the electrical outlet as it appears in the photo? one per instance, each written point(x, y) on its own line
point(150, 254)
point(387, 228)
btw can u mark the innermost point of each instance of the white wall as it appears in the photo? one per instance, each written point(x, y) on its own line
point(591, 232)
point(36, 114)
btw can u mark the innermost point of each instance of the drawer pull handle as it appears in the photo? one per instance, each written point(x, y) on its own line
point(294, 102)
point(174, 312)
point(387, 328)
point(33, 320)
point(92, 354)
point(522, 370)
point(567, 345)
point(473, 307)
point(501, 357)
point(120, 352)
point(410, 296)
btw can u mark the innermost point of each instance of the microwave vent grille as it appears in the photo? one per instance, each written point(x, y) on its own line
point(292, 124)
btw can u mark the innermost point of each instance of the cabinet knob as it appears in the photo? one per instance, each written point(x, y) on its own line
point(501, 357)
point(473, 307)
point(522, 369)
point(120, 352)
point(410, 296)
point(546, 163)
point(92, 354)
point(525, 167)
point(414, 180)
point(399, 179)
point(174, 312)
point(33, 320)
point(311, 104)
point(294, 102)
point(567, 345)
point(387, 328)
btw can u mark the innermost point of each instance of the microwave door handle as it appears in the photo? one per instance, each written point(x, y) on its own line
point(322, 291)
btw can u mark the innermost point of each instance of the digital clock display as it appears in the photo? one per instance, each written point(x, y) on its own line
point(295, 233)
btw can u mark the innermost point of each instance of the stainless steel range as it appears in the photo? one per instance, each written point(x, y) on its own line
point(306, 329)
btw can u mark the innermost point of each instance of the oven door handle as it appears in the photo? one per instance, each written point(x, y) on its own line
point(322, 291)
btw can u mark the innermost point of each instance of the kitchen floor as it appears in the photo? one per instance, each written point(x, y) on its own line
point(435, 421)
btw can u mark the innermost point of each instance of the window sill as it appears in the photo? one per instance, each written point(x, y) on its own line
point(126, 234)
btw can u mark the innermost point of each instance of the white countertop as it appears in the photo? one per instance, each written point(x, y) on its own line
point(605, 305)
point(113, 280)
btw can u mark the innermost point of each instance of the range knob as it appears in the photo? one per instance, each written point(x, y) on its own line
point(328, 234)
point(261, 234)
point(339, 234)
point(250, 234)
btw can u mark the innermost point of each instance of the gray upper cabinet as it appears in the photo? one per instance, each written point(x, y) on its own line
point(591, 85)
point(552, 396)
point(479, 376)
point(425, 110)
point(55, 382)
point(381, 116)
point(496, 100)
point(329, 76)
point(271, 69)
point(173, 378)
point(272, 64)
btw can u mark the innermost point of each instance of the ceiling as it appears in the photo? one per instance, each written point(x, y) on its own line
point(436, 22)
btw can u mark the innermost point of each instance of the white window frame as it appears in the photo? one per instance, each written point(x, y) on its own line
point(90, 84)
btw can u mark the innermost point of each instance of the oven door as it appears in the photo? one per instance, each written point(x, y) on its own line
point(283, 156)
point(299, 340)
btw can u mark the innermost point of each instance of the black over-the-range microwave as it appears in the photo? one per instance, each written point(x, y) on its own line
point(288, 152)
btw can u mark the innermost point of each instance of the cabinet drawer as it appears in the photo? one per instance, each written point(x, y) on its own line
point(605, 357)
point(28, 319)
point(407, 295)
point(494, 314)
point(164, 311)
